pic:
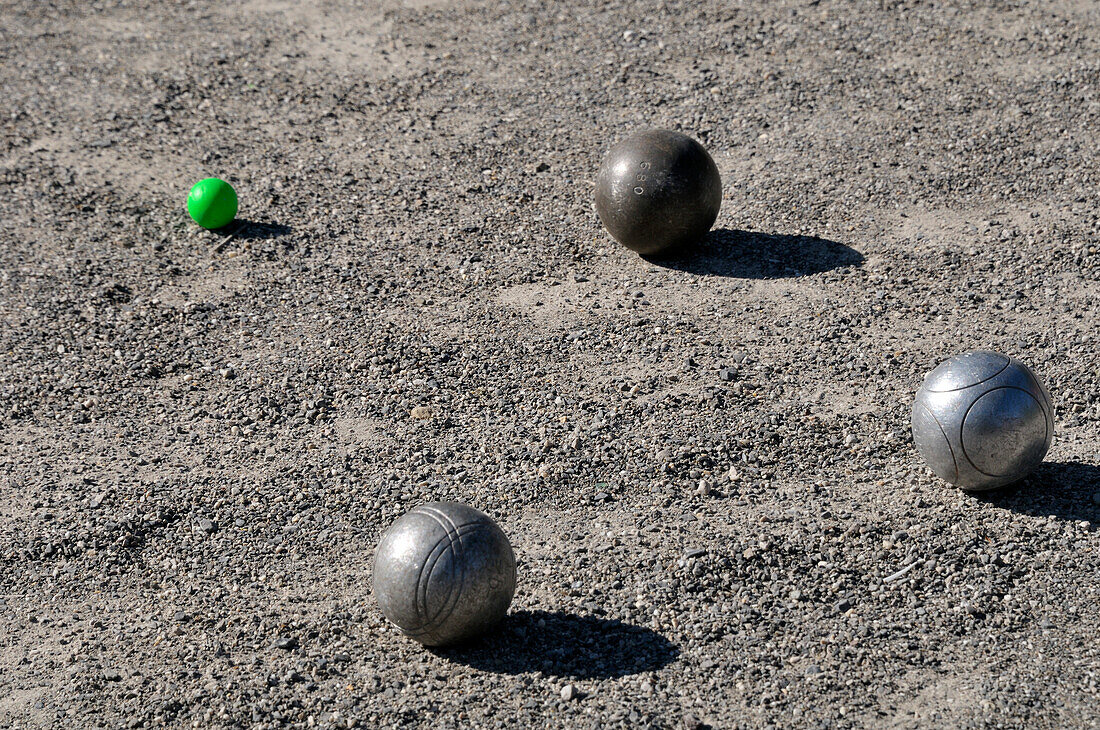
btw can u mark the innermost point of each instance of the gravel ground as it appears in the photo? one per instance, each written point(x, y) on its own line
point(704, 465)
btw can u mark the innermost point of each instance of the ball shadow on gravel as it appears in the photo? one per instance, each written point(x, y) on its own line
point(565, 645)
point(1065, 490)
point(751, 255)
point(247, 230)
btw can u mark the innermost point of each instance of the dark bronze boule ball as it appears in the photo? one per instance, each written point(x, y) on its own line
point(658, 191)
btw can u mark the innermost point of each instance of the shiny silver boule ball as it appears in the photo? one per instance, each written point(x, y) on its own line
point(982, 420)
point(444, 573)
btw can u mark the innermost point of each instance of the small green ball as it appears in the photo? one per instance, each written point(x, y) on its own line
point(212, 203)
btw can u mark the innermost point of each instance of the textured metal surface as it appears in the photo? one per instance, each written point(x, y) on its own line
point(982, 420)
point(658, 191)
point(443, 573)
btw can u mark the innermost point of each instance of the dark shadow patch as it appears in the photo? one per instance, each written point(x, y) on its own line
point(565, 645)
point(750, 255)
point(247, 230)
point(1056, 489)
point(117, 293)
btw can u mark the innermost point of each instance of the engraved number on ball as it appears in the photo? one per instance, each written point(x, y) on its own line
point(639, 190)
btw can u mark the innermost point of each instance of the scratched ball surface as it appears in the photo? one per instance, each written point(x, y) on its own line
point(658, 191)
point(982, 420)
point(444, 573)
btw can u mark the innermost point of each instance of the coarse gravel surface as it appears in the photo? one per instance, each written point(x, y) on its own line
point(704, 465)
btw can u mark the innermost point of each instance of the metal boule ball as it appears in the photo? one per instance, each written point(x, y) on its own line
point(982, 420)
point(658, 191)
point(444, 573)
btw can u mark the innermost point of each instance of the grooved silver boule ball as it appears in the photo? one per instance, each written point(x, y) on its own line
point(443, 573)
point(982, 420)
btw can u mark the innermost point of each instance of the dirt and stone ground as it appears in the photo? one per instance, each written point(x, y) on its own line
point(704, 464)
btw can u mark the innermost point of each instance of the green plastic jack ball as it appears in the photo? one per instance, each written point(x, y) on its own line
point(212, 203)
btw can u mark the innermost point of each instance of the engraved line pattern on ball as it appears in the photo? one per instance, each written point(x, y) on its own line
point(946, 441)
point(1044, 403)
point(446, 542)
point(457, 532)
point(971, 385)
point(452, 539)
point(969, 408)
